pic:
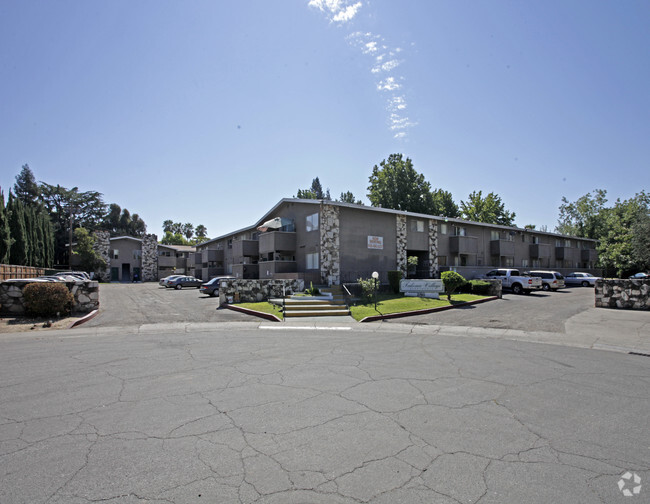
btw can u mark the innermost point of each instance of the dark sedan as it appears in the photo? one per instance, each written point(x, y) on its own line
point(211, 288)
point(184, 281)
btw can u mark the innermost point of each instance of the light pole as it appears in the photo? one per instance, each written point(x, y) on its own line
point(375, 275)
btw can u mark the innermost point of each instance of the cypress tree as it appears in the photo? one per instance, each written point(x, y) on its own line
point(18, 252)
point(5, 234)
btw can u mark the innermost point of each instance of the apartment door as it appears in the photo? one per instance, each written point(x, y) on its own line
point(126, 272)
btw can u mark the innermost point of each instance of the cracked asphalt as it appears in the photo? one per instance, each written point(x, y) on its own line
point(253, 413)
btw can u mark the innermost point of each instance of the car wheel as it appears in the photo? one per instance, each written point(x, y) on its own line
point(546, 287)
point(214, 293)
point(585, 284)
point(516, 289)
point(178, 287)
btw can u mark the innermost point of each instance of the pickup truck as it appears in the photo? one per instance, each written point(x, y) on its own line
point(511, 279)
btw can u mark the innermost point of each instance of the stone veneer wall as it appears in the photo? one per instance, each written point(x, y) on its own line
point(86, 296)
point(433, 247)
point(401, 243)
point(330, 259)
point(150, 258)
point(102, 247)
point(620, 293)
point(254, 291)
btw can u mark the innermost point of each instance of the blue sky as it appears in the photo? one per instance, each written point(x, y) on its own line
point(210, 112)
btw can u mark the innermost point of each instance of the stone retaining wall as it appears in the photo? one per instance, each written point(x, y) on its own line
point(253, 291)
point(620, 293)
point(86, 296)
point(495, 288)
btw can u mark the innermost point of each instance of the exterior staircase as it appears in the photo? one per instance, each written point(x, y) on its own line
point(322, 307)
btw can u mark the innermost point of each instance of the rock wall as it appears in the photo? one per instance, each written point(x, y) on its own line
point(253, 291)
point(86, 296)
point(150, 258)
point(330, 261)
point(102, 247)
point(620, 293)
point(400, 226)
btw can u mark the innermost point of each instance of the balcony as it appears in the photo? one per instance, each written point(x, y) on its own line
point(277, 241)
point(246, 248)
point(269, 269)
point(502, 248)
point(463, 245)
point(166, 262)
point(245, 271)
point(567, 253)
point(210, 256)
point(540, 251)
point(589, 255)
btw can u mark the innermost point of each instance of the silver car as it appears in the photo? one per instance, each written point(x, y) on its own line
point(551, 280)
point(578, 278)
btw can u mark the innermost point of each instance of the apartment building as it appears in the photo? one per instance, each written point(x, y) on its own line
point(332, 242)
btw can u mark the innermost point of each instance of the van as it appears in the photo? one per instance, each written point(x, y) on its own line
point(551, 280)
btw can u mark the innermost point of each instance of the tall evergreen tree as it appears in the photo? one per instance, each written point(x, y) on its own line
point(5, 233)
point(19, 251)
point(26, 189)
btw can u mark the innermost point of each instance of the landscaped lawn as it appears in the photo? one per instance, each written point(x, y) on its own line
point(399, 304)
point(264, 307)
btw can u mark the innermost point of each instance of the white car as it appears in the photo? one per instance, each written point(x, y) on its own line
point(578, 278)
point(551, 280)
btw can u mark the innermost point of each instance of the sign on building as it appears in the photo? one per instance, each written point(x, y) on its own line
point(422, 288)
point(376, 242)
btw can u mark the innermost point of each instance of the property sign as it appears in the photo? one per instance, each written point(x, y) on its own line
point(376, 242)
point(421, 287)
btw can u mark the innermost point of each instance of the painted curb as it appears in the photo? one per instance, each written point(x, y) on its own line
point(267, 316)
point(374, 318)
point(88, 317)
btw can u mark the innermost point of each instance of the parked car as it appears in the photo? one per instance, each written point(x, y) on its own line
point(81, 274)
point(184, 281)
point(165, 281)
point(578, 278)
point(551, 280)
point(640, 276)
point(211, 288)
point(511, 279)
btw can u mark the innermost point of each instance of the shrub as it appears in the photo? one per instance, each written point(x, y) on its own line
point(367, 287)
point(394, 278)
point(452, 281)
point(480, 287)
point(47, 299)
point(312, 291)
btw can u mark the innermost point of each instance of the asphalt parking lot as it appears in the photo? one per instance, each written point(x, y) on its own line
point(149, 303)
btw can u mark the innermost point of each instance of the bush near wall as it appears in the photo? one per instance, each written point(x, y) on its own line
point(47, 299)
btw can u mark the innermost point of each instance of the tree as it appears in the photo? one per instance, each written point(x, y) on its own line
point(490, 209)
point(174, 239)
point(188, 230)
point(26, 189)
point(314, 192)
point(89, 259)
point(583, 217)
point(395, 184)
point(167, 225)
point(201, 231)
point(641, 241)
point(348, 197)
point(452, 281)
point(19, 248)
point(5, 233)
point(443, 204)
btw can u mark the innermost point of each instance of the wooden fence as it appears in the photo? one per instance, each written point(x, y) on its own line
point(8, 271)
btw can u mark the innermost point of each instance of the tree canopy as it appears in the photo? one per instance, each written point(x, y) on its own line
point(489, 209)
point(314, 192)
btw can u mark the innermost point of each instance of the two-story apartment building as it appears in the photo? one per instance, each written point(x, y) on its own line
point(332, 242)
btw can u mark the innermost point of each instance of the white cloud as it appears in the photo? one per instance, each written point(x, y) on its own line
point(386, 67)
point(338, 11)
point(388, 84)
point(397, 103)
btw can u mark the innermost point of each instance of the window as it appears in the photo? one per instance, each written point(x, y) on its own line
point(443, 228)
point(312, 222)
point(534, 240)
point(460, 231)
point(137, 254)
point(312, 260)
point(510, 236)
point(442, 260)
point(537, 263)
point(567, 243)
point(559, 243)
point(495, 235)
point(230, 243)
point(417, 226)
point(524, 263)
point(508, 262)
point(115, 254)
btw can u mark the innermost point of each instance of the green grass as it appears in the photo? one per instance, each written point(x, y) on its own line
point(264, 307)
point(399, 304)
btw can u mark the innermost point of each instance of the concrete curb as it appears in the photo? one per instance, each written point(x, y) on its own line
point(267, 316)
point(88, 317)
point(374, 318)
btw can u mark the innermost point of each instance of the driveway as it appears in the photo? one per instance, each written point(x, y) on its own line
point(148, 303)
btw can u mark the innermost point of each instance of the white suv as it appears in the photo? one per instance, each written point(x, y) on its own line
point(551, 280)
